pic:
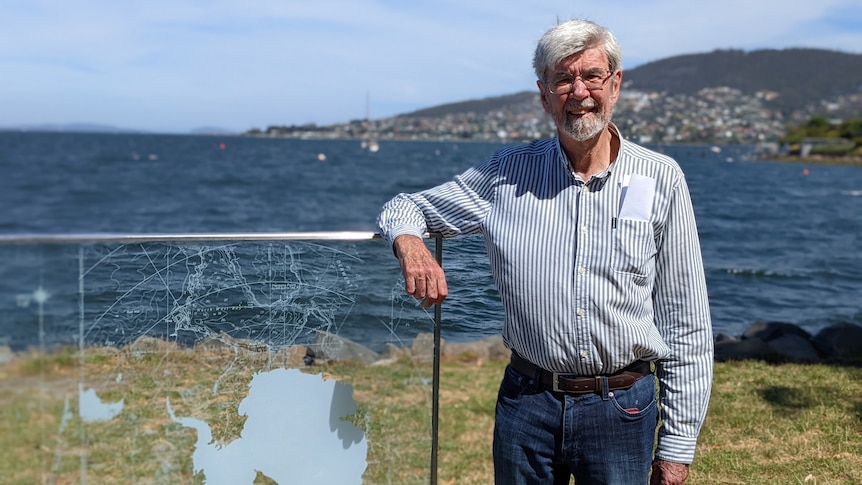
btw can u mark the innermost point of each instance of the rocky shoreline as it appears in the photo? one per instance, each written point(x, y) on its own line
point(840, 343)
point(774, 342)
point(819, 160)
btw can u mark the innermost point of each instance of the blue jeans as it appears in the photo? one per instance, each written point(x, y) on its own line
point(542, 437)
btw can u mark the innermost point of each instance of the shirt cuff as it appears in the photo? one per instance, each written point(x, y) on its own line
point(390, 235)
point(677, 449)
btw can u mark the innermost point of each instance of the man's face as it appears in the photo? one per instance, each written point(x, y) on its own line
point(581, 113)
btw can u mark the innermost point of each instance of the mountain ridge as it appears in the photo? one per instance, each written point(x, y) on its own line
point(832, 73)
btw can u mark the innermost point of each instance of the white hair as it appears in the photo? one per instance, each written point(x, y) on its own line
point(572, 37)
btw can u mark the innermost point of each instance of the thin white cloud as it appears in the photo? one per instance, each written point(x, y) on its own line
point(677, 27)
point(171, 65)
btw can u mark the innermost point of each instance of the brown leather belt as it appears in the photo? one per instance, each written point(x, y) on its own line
point(574, 384)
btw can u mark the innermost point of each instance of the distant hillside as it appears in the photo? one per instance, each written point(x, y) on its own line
point(211, 130)
point(525, 99)
point(725, 96)
point(799, 77)
point(71, 128)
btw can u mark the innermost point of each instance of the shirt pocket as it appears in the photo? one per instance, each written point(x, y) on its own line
point(634, 247)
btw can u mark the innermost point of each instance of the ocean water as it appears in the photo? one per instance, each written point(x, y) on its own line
point(781, 241)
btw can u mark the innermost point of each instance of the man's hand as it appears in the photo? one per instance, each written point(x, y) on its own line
point(668, 473)
point(423, 277)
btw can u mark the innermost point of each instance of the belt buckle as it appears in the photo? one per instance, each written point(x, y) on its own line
point(555, 380)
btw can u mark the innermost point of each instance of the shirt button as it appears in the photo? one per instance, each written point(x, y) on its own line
point(584, 354)
point(582, 270)
point(581, 312)
point(584, 229)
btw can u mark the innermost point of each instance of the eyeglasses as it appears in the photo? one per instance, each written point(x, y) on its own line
point(593, 79)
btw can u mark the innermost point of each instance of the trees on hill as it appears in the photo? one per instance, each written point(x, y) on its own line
point(825, 137)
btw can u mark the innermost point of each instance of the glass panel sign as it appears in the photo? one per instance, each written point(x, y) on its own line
point(217, 362)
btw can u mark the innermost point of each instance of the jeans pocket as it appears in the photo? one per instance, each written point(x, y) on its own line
point(638, 401)
point(513, 384)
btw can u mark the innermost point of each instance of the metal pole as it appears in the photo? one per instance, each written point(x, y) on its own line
point(435, 383)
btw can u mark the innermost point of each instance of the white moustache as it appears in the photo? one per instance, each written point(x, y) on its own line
point(584, 105)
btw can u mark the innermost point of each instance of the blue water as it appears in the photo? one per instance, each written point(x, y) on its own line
point(779, 243)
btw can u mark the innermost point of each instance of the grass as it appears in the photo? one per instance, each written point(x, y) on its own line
point(782, 424)
point(776, 424)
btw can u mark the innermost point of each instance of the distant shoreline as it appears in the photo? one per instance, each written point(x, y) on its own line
point(819, 159)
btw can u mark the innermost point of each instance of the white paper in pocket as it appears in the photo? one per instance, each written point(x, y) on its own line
point(637, 196)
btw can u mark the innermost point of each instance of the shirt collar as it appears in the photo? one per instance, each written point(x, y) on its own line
point(564, 160)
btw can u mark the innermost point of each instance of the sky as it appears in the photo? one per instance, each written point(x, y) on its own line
point(172, 66)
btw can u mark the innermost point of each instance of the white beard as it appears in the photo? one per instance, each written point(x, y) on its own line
point(583, 128)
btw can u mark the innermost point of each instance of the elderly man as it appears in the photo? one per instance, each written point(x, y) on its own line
point(594, 250)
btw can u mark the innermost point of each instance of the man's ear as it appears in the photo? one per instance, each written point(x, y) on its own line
point(543, 94)
point(618, 84)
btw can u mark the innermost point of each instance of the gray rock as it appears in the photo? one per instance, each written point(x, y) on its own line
point(497, 349)
point(767, 331)
point(394, 352)
point(423, 347)
point(793, 348)
point(476, 350)
point(145, 344)
point(786, 342)
point(6, 354)
point(841, 342)
point(748, 349)
point(328, 346)
point(723, 337)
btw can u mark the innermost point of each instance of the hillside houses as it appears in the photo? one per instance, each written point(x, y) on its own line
point(713, 115)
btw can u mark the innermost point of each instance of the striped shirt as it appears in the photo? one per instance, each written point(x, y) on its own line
point(592, 275)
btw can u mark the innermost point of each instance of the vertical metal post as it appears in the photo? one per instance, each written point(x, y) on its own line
point(435, 382)
point(81, 362)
